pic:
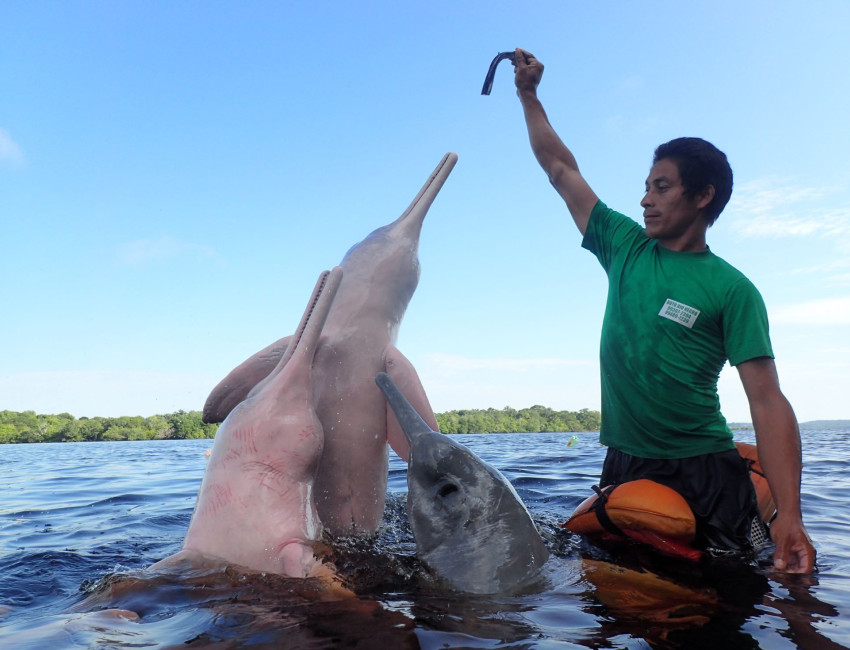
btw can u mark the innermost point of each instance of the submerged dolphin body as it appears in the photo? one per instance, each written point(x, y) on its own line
point(469, 524)
point(256, 505)
point(380, 275)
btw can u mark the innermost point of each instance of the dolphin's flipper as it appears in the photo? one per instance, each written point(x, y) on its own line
point(234, 388)
point(404, 376)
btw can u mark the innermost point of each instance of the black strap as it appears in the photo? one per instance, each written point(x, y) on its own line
point(751, 467)
point(598, 508)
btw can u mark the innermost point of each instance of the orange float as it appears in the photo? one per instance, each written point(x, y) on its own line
point(654, 514)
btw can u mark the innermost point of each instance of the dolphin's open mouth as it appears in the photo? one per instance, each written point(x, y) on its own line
point(317, 293)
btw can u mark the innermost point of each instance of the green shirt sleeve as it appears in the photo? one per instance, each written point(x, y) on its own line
point(745, 325)
point(608, 231)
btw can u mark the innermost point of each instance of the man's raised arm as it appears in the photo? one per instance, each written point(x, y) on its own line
point(553, 155)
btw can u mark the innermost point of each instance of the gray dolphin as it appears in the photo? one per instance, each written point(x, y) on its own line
point(358, 341)
point(470, 525)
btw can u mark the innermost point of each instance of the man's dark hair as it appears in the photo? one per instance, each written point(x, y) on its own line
point(700, 164)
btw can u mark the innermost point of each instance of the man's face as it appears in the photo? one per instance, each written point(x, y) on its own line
point(670, 216)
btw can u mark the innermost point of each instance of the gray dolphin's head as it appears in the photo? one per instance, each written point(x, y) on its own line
point(469, 524)
point(382, 271)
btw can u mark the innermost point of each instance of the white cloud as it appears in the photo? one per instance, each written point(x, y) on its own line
point(453, 363)
point(10, 151)
point(458, 382)
point(835, 272)
point(451, 382)
point(819, 222)
point(840, 279)
point(775, 207)
point(107, 393)
point(143, 251)
point(828, 267)
point(816, 390)
point(824, 312)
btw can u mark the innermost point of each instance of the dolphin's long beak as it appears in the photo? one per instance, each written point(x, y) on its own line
point(418, 208)
point(307, 333)
point(411, 422)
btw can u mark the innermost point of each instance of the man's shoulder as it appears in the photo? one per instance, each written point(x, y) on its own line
point(601, 212)
point(728, 271)
point(731, 285)
point(607, 224)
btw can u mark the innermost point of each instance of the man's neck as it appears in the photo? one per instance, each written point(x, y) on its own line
point(684, 246)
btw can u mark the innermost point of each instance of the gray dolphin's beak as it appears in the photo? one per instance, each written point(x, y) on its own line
point(411, 422)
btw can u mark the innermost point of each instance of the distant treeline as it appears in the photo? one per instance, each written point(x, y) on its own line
point(28, 426)
point(531, 420)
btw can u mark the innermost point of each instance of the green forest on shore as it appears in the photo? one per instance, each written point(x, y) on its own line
point(29, 426)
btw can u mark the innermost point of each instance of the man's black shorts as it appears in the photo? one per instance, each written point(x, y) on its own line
point(716, 486)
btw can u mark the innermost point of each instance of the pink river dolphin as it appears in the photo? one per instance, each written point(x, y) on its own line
point(303, 441)
point(380, 275)
point(256, 505)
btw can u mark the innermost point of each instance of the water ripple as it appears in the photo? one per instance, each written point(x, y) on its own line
point(78, 519)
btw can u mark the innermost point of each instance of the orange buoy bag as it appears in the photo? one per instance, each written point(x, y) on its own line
point(641, 505)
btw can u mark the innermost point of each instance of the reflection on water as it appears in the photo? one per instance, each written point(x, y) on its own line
point(80, 523)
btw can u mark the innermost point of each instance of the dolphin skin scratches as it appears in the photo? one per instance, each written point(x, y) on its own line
point(256, 505)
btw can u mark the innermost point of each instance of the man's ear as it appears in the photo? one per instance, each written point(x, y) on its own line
point(705, 196)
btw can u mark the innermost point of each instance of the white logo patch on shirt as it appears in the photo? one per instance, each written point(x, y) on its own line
point(679, 312)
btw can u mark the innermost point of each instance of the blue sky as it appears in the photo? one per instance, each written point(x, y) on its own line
point(173, 177)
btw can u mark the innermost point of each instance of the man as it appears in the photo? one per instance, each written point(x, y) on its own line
point(675, 313)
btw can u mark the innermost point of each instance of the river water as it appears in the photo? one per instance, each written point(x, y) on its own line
point(80, 522)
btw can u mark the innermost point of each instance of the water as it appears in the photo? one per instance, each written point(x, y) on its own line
point(79, 523)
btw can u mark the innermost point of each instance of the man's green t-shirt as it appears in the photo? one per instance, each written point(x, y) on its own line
point(671, 321)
